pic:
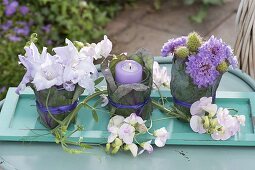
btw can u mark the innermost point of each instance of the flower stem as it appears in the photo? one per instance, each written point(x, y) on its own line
point(171, 112)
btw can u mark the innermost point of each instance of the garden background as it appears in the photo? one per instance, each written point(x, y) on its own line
point(130, 24)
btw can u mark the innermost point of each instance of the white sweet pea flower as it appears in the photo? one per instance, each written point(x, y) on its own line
point(146, 147)
point(224, 118)
point(161, 137)
point(196, 124)
point(204, 104)
point(116, 121)
point(133, 119)
point(160, 76)
point(133, 149)
point(105, 100)
point(127, 133)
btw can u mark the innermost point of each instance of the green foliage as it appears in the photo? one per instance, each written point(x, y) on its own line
point(53, 21)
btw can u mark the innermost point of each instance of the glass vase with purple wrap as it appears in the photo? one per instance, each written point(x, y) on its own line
point(57, 80)
point(197, 68)
point(129, 83)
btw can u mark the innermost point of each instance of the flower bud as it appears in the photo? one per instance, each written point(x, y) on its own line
point(115, 150)
point(78, 44)
point(107, 147)
point(222, 67)
point(141, 128)
point(213, 123)
point(182, 52)
point(126, 148)
point(118, 142)
point(194, 41)
point(206, 122)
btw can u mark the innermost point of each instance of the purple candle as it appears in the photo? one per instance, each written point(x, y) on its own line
point(128, 72)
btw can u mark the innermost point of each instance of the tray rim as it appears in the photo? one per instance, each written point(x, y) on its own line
point(10, 134)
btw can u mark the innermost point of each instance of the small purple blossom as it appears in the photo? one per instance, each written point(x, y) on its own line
point(24, 10)
point(10, 8)
point(5, 2)
point(2, 89)
point(14, 38)
point(172, 44)
point(202, 70)
point(218, 51)
point(47, 28)
point(6, 26)
point(22, 31)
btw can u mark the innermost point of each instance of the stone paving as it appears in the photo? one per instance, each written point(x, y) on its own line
point(141, 26)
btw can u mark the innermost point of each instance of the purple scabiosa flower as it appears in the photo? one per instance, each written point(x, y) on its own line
point(10, 8)
point(172, 44)
point(202, 70)
point(218, 51)
point(24, 10)
point(14, 38)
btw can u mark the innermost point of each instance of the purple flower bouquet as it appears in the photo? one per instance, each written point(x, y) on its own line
point(197, 68)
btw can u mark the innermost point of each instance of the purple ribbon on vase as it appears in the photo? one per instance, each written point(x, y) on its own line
point(185, 104)
point(56, 110)
point(136, 106)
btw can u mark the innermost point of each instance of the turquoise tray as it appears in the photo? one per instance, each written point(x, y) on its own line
point(19, 122)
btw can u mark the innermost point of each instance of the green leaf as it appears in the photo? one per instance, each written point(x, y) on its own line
point(99, 80)
point(94, 114)
point(85, 146)
point(99, 101)
point(78, 91)
point(188, 2)
point(201, 14)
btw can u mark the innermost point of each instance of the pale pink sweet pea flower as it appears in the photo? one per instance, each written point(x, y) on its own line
point(133, 119)
point(146, 147)
point(127, 133)
point(224, 134)
point(116, 121)
point(196, 124)
point(160, 76)
point(114, 133)
point(161, 136)
point(241, 119)
point(198, 107)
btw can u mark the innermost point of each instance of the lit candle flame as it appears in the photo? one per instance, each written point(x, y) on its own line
point(130, 66)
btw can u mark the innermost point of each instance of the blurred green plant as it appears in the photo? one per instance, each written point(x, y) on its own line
point(53, 21)
point(202, 11)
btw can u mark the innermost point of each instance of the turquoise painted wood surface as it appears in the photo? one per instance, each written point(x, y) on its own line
point(41, 156)
point(18, 121)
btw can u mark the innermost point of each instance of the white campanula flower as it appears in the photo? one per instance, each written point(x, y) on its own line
point(196, 124)
point(99, 50)
point(146, 147)
point(127, 133)
point(42, 70)
point(78, 68)
point(204, 104)
point(160, 76)
point(133, 119)
point(161, 136)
